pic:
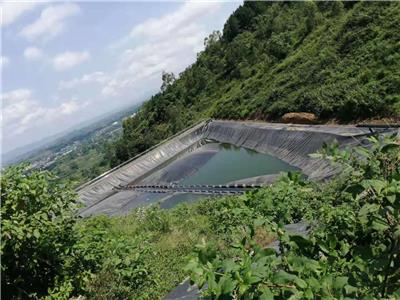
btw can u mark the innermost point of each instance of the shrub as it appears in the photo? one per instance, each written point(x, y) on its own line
point(108, 262)
point(227, 214)
point(352, 253)
point(37, 220)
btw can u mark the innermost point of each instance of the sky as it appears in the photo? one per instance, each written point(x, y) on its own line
point(63, 63)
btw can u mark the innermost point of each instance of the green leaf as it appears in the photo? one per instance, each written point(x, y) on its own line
point(362, 151)
point(259, 222)
point(377, 185)
point(309, 294)
point(314, 283)
point(284, 277)
point(266, 294)
point(397, 294)
point(390, 146)
point(365, 210)
point(391, 198)
point(300, 241)
point(379, 225)
point(396, 234)
point(243, 288)
point(340, 282)
point(350, 289)
point(324, 248)
point(227, 285)
point(229, 266)
point(36, 233)
point(254, 279)
point(300, 283)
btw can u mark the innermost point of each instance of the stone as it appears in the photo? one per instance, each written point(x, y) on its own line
point(299, 118)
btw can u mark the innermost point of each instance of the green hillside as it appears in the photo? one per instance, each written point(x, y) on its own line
point(337, 60)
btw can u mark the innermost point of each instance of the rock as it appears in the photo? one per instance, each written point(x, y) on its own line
point(184, 291)
point(299, 118)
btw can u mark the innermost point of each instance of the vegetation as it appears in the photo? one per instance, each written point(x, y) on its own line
point(352, 250)
point(36, 232)
point(90, 159)
point(91, 150)
point(337, 60)
point(48, 253)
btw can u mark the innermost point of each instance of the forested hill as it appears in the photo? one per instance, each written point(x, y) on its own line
point(336, 60)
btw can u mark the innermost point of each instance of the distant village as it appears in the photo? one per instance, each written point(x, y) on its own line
point(48, 158)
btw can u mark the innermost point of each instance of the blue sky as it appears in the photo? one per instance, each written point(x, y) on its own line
point(66, 62)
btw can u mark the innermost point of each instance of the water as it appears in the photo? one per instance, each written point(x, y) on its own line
point(213, 163)
point(233, 163)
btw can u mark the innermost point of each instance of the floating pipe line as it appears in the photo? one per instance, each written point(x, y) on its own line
point(193, 189)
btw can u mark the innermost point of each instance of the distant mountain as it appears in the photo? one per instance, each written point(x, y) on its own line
point(23, 152)
point(66, 137)
point(338, 60)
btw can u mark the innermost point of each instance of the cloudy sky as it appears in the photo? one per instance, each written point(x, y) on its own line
point(64, 63)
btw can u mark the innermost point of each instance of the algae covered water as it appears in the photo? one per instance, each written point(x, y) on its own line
point(229, 163)
point(232, 163)
point(211, 163)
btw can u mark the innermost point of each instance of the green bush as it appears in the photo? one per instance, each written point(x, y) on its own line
point(287, 201)
point(154, 218)
point(227, 214)
point(37, 230)
point(46, 252)
point(352, 251)
point(115, 260)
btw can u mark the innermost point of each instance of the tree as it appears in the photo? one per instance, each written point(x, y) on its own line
point(167, 80)
point(37, 220)
point(212, 39)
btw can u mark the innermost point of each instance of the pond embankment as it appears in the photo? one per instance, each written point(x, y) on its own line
point(217, 150)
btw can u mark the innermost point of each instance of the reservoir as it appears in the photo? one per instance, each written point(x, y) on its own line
point(212, 164)
point(204, 155)
point(232, 163)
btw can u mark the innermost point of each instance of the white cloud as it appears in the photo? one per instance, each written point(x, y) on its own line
point(17, 105)
point(12, 11)
point(4, 61)
point(168, 43)
point(111, 89)
point(169, 23)
point(69, 59)
point(22, 112)
point(33, 53)
point(51, 21)
point(95, 77)
point(15, 96)
point(69, 107)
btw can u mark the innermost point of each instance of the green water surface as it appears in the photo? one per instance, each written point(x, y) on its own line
point(234, 163)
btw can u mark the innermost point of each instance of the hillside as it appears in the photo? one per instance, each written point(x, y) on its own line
point(337, 60)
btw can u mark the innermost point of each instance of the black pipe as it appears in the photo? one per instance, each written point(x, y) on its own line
point(386, 126)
